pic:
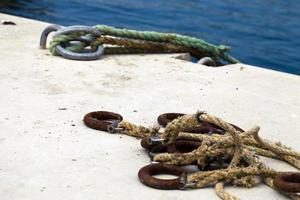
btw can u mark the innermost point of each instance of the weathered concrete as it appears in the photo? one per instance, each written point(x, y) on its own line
point(48, 153)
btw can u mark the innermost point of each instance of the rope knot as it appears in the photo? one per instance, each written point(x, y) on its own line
point(74, 42)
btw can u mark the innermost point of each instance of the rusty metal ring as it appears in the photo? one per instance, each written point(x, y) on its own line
point(153, 151)
point(146, 176)
point(145, 144)
point(101, 120)
point(183, 146)
point(166, 118)
point(178, 146)
point(288, 182)
point(151, 141)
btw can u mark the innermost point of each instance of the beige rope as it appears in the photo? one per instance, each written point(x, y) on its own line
point(277, 149)
point(243, 148)
point(263, 152)
point(219, 188)
point(234, 133)
point(203, 179)
point(172, 130)
point(136, 131)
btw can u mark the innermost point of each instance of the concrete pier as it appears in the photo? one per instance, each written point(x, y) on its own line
point(46, 152)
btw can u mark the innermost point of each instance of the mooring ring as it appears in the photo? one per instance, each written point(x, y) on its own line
point(145, 144)
point(78, 28)
point(46, 32)
point(153, 151)
point(183, 146)
point(178, 146)
point(288, 182)
point(92, 55)
point(208, 61)
point(146, 176)
point(166, 118)
point(101, 120)
point(80, 56)
point(154, 140)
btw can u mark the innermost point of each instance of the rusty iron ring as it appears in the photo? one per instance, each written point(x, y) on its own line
point(287, 182)
point(153, 151)
point(183, 146)
point(146, 176)
point(151, 141)
point(166, 118)
point(145, 144)
point(178, 146)
point(101, 120)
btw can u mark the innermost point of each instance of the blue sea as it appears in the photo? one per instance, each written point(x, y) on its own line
point(265, 33)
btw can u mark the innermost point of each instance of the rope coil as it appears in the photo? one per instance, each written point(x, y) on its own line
point(115, 40)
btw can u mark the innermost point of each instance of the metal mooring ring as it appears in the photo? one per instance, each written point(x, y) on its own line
point(151, 141)
point(146, 176)
point(156, 140)
point(101, 120)
point(145, 144)
point(80, 56)
point(208, 61)
point(161, 148)
point(93, 55)
point(166, 118)
point(183, 146)
point(46, 32)
point(78, 28)
point(288, 182)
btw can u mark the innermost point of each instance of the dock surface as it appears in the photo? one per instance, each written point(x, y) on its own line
point(46, 152)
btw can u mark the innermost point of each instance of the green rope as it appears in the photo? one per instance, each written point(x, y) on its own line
point(193, 44)
point(186, 41)
point(125, 50)
point(66, 38)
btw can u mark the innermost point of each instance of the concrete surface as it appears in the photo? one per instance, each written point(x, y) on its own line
point(46, 152)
